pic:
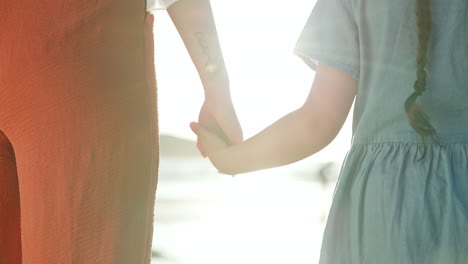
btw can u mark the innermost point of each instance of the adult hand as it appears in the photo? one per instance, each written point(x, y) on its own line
point(217, 115)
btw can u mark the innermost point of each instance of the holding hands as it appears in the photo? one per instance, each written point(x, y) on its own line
point(212, 145)
point(291, 138)
point(218, 126)
point(217, 122)
point(217, 115)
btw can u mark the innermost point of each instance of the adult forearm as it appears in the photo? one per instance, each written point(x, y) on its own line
point(290, 139)
point(195, 24)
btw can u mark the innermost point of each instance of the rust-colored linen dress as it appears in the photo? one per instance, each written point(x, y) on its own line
point(78, 132)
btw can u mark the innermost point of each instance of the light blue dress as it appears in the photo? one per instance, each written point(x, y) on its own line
point(388, 207)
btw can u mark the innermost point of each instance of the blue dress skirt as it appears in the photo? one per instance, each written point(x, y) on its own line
point(388, 207)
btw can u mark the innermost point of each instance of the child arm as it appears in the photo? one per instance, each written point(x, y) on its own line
point(295, 136)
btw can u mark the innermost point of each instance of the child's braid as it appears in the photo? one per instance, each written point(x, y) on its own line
point(418, 120)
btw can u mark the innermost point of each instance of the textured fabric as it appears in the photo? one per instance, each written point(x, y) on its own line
point(78, 141)
point(387, 207)
point(153, 5)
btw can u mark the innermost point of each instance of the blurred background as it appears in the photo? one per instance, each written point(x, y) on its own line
point(271, 216)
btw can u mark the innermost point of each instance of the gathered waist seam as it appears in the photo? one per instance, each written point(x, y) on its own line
point(442, 140)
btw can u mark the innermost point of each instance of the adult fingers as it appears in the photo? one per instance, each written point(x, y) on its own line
point(230, 126)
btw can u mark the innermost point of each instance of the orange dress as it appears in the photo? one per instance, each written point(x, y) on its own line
point(78, 132)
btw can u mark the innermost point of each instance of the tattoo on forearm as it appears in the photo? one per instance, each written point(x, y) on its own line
point(212, 63)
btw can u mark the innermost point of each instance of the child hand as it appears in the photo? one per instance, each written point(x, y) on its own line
point(212, 144)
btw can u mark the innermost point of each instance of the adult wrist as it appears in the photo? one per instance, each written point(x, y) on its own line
point(216, 87)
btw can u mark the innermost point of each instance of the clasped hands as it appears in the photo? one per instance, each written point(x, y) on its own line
point(218, 126)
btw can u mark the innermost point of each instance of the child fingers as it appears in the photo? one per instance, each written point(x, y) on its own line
point(200, 149)
point(200, 131)
point(196, 129)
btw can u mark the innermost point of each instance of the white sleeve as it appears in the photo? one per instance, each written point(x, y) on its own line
point(153, 5)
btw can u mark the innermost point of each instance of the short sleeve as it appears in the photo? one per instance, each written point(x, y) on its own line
point(330, 36)
point(153, 5)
